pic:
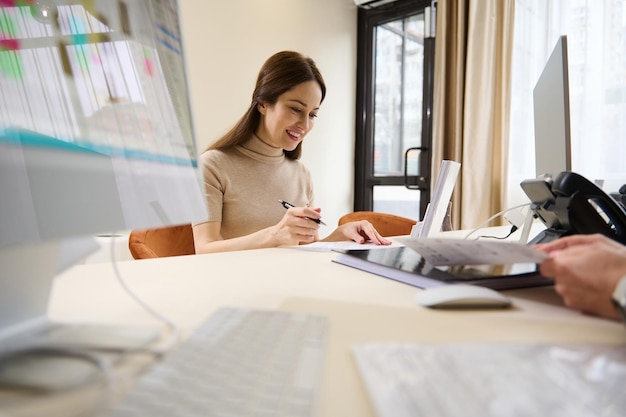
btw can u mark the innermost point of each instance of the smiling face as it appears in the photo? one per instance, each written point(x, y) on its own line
point(286, 123)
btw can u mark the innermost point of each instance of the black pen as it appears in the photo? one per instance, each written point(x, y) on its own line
point(289, 205)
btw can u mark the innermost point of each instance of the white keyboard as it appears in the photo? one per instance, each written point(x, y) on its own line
point(240, 362)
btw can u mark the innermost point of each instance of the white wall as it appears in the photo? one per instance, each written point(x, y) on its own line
point(226, 43)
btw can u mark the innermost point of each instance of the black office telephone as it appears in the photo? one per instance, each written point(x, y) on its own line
point(571, 204)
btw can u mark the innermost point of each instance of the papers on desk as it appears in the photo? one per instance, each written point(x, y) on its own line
point(344, 245)
point(490, 380)
point(439, 252)
point(444, 252)
point(438, 206)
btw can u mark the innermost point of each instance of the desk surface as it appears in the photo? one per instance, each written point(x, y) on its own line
point(362, 307)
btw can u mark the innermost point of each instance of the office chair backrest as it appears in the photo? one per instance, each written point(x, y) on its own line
point(161, 242)
point(386, 224)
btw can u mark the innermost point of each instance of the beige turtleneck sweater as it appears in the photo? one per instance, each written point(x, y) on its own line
point(243, 185)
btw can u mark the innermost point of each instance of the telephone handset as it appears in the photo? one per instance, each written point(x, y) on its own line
point(571, 204)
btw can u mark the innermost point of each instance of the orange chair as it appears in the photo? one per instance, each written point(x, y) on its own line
point(161, 242)
point(386, 224)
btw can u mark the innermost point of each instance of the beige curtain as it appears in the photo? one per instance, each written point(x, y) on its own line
point(474, 48)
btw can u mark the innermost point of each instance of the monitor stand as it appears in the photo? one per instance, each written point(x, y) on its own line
point(71, 355)
point(48, 370)
point(33, 348)
point(547, 235)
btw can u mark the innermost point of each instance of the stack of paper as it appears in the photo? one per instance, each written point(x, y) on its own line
point(436, 210)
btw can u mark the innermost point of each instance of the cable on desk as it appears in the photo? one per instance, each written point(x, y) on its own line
point(495, 216)
point(513, 230)
point(174, 331)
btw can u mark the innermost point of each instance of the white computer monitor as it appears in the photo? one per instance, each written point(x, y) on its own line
point(552, 115)
point(96, 136)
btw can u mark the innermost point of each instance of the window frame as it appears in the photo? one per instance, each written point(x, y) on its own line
point(364, 178)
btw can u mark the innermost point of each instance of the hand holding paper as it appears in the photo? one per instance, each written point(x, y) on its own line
point(439, 252)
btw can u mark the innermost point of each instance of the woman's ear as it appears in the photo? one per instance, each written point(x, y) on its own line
point(261, 107)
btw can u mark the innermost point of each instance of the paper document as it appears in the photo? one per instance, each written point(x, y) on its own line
point(438, 206)
point(439, 252)
point(342, 245)
point(493, 380)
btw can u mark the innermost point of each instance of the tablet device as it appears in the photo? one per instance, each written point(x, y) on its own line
point(404, 264)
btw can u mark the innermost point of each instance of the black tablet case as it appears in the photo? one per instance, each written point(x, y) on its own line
point(404, 264)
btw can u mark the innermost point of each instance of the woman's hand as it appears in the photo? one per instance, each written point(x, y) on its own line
point(296, 227)
point(360, 231)
point(586, 270)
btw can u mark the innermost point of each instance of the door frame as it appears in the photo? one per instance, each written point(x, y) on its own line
point(364, 179)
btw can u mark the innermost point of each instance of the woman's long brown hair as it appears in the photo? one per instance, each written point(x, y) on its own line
point(279, 74)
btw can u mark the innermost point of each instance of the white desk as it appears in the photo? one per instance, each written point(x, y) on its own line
point(362, 307)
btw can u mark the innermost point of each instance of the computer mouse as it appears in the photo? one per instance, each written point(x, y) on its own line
point(462, 296)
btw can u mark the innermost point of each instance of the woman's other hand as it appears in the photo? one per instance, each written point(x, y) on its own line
point(360, 231)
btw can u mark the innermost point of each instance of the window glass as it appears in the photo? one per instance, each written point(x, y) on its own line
point(596, 32)
point(398, 94)
point(397, 200)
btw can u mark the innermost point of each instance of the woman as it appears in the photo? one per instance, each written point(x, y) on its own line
point(255, 165)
